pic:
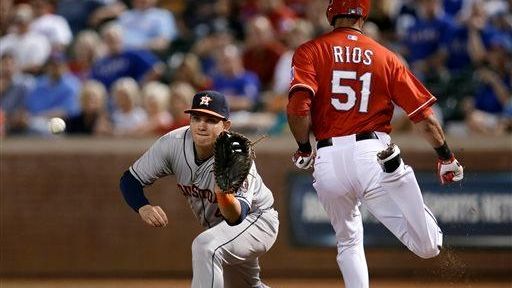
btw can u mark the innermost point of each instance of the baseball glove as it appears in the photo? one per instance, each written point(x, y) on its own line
point(233, 159)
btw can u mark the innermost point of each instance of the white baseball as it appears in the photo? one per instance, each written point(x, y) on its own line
point(56, 125)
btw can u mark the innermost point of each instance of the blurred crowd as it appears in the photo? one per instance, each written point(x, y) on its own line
point(129, 68)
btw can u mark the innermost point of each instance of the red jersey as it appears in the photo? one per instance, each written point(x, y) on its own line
point(355, 82)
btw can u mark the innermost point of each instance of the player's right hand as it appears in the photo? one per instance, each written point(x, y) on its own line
point(303, 160)
point(153, 215)
point(449, 170)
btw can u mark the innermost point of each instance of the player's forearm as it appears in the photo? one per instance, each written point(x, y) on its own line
point(299, 117)
point(433, 133)
point(431, 130)
point(299, 126)
point(229, 207)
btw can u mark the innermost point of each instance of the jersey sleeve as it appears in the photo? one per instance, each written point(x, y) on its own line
point(155, 162)
point(246, 192)
point(303, 70)
point(408, 92)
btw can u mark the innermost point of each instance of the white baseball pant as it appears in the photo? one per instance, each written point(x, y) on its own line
point(227, 256)
point(347, 174)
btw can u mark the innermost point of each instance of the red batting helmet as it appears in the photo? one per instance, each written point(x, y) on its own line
point(354, 8)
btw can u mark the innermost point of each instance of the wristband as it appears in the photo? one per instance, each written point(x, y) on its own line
point(306, 147)
point(443, 152)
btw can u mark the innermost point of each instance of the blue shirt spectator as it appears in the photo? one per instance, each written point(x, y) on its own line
point(50, 95)
point(140, 65)
point(242, 87)
point(424, 36)
point(486, 99)
point(134, 64)
point(452, 7)
point(456, 46)
point(246, 84)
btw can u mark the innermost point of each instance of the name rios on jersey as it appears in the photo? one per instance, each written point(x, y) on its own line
point(349, 54)
point(194, 191)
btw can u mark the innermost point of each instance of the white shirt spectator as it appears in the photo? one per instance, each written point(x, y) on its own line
point(29, 49)
point(128, 122)
point(54, 27)
point(140, 27)
point(282, 73)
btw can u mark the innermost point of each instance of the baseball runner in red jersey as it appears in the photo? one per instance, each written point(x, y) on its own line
point(240, 226)
point(344, 88)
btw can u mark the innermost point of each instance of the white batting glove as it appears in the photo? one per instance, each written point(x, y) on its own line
point(303, 160)
point(449, 170)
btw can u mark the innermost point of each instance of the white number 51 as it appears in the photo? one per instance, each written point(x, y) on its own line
point(337, 88)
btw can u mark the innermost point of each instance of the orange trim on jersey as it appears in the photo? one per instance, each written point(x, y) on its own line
point(418, 117)
point(303, 86)
point(419, 108)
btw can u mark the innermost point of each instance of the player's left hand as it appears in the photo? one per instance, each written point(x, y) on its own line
point(153, 215)
point(449, 170)
point(303, 160)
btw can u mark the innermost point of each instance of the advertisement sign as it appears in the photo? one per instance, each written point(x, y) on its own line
point(474, 213)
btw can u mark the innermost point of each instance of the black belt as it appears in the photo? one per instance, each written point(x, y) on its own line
point(359, 137)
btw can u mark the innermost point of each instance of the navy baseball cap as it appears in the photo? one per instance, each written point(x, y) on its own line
point(210, 102)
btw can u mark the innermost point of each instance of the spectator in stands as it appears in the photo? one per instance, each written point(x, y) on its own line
point(128, 114)
point(93, 118)
point(85, 14)
point(315, 13)
point(300, 32)
point(181, 99)
point(148, 27)
point(262, 50)
point(55, 95)
point(30, 49)
point(489, 112)
point(189, 71)
point(12, 96)
point(208, 47)
point(156, 98)
point(54, 27)
point(86, 50)
point(6, 8)
point(383, 15)
point(453, 7)
point(422, 40)
point(241, 87)
point(141, 65)
point(276, 99)
point(206, 17)
point(280, 15)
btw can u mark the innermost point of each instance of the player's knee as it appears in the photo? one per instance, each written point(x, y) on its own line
point(203, 248)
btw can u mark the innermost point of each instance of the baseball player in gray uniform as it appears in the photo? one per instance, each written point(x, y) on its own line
point(240, 226)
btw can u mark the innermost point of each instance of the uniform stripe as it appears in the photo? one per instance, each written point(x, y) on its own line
point(419, 108)
point(431, 215)
point(134, 173)
point(214, 251)
point(192, 173)
point(185, 154)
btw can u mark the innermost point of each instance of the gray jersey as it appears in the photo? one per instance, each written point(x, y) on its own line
point(173, 154)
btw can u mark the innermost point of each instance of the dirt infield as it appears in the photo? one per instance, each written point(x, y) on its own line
point(279, 283)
